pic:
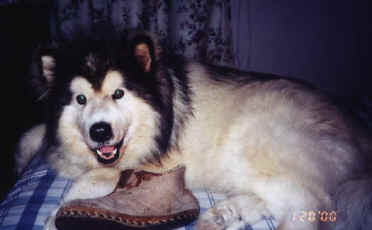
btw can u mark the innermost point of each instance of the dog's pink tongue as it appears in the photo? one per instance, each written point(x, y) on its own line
point(107, 149)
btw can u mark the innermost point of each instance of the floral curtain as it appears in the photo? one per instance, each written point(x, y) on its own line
point(197, 29)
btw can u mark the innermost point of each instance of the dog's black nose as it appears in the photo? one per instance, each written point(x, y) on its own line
point(100, 132)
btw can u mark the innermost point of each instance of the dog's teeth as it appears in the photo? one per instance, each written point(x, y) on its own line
point(99, 152)
point(115, 150)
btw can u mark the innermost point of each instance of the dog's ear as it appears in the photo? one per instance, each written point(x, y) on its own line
point(143, 56)
point(144, 50)
point(42, 71)
point(48, 64)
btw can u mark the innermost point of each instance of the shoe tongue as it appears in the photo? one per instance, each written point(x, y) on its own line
point(107, 149)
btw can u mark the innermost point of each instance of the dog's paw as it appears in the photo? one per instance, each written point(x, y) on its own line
point(220, 218)
point(50, 221)
point(235, 213)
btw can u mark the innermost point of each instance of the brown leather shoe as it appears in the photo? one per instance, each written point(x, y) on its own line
point(141, 200)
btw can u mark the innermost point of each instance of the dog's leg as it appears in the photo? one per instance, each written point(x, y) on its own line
point(95, 183)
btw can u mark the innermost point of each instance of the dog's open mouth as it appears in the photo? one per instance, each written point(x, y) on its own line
point(108, 154)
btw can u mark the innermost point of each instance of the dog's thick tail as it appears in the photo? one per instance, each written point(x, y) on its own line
point(354, 205)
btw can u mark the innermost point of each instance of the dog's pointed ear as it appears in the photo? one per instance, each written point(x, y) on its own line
point(145, 51)
point(143, 56)
point(48, 64)
point(42, 71)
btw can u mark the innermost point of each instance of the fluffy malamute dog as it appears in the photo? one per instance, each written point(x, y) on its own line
point(274, 146)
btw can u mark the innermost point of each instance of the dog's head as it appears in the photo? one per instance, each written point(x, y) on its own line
point(108, 101)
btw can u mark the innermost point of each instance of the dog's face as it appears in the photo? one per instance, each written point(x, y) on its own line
point(101, 116)
point(108, 106)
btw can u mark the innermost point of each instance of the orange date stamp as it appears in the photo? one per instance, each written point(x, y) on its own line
point(315, 216)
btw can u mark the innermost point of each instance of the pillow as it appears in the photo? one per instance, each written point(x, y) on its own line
point(39, 191)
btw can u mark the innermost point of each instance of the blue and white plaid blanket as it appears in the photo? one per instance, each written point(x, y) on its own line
point(39, 191)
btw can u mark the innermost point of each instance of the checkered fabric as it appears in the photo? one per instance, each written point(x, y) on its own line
point(36, 194)
point(39, 191)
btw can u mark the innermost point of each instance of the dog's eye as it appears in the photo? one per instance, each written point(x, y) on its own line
point(119, 93)
point(81, 99)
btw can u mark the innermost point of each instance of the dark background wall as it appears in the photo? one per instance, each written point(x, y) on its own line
point(20, 30)
point(321, 41)
point(324, 42)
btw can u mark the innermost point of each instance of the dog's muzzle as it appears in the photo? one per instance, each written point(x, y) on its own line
point(101, 133)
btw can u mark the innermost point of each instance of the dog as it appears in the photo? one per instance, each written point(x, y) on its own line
point(276, 147)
